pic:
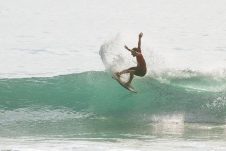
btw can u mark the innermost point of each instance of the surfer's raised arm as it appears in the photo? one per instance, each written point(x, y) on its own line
point(139, 42)
point(127, 48)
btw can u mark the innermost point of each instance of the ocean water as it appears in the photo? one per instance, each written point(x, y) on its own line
point(56, 89)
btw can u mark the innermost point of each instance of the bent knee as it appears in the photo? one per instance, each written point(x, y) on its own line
point(140, 74)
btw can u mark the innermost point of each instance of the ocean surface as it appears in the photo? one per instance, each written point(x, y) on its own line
point(56, 88)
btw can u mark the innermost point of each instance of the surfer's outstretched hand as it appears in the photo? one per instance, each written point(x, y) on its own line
point(141, 35)
point(126, 47)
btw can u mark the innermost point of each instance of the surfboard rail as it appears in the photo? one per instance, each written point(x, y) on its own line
point(128, 87)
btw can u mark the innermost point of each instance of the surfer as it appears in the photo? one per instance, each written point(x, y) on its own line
point(140, 69)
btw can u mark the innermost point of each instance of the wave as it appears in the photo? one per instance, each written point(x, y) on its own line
point(98, 94)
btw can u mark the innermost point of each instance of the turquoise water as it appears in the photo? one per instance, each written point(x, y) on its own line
point(93, 105)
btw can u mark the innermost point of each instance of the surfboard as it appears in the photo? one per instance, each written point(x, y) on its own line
point(128, 87)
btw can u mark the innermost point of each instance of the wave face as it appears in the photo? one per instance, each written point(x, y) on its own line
point(98, 94)
point(92, 104)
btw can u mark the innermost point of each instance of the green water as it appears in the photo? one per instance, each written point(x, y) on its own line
point(92, 104)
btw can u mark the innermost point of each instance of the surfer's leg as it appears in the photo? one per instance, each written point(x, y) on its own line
point(126, 71)
point(131, 71)
point(131, 77)
point(122, 72)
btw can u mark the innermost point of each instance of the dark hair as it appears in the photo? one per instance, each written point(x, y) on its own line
point(135, 49)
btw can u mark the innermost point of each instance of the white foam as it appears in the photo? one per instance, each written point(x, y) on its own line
point(36, 114)
point(42, 144)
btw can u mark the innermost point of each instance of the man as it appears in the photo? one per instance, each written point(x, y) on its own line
point(140, 69)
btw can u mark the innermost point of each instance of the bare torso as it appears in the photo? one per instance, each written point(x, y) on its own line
point(141, 65)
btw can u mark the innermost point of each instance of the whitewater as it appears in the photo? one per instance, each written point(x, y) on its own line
point(56, 89)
